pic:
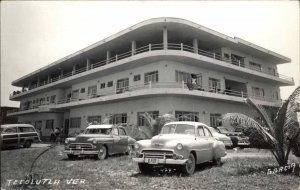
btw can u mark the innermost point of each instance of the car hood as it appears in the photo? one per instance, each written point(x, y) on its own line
point(163, 139)
point(221, 136)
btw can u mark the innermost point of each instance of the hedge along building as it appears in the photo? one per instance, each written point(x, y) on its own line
point(150, 67)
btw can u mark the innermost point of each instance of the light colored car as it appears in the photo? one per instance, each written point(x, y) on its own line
point(218, 136)
point(99, 141)
point(180, 144)
point(17, 135)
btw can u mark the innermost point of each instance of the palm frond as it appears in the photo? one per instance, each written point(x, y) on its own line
point(248, 122)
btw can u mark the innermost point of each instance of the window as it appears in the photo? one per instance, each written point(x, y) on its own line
point(11, 130)
point(207, 132)
point(122, 85)
point(136, 78)
point(52, 99)
point(237, 60)
point(75, 94)
point(118, 118)
point(186, 116)
point(214, 85)
point(275, 95)
point(201, 131)
point(258, 92)
point(38, 124)
point(42, 102)
point(26, 129)
point(141, 119)
point(94, 119)
point(82, 90)
point(110, 84)
point(122, 132)
point(151, 76)
point(188, 77)
point(215, 120)
point(102, 85)
point(49, 124)
point(255, 66)
point(272, 71)
point(92, 90)
point(115, 131)
point(75, 122)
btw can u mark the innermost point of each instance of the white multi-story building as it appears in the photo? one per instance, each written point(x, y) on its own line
point(150, 67)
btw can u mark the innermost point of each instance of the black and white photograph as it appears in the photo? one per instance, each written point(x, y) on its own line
point(137, 95)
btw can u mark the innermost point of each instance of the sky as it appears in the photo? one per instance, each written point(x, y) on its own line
point(37, 33)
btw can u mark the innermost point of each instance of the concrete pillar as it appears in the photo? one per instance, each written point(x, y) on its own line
point(48, 80)
point(133, 47)
point(195, 45)
point(165, 38)
point(107, 56)
point(29, 85)
point(88, 64)
point(61, 73)
point(74, 70)
point(38, 82)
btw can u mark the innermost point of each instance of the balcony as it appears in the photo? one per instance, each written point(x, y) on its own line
point(151, 89)
point(149, 48)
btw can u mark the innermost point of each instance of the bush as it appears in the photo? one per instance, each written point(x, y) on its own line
point(256, 140)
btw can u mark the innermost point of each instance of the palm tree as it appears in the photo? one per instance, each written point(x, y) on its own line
point(281, 134)
point(155, 124)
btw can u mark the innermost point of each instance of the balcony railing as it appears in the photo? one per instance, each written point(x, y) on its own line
point(148, 48)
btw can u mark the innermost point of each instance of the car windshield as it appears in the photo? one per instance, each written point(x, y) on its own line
point(178, 129)
point(212, 130)
point(223, 130)
point(105, 131)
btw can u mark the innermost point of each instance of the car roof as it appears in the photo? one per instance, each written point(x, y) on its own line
point(194, 123)
point(16, 125)
point(103, 126)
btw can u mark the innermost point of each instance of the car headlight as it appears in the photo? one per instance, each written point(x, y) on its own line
point(94, 141)
point(179, 146)
point(136, 146)
point(67, 141)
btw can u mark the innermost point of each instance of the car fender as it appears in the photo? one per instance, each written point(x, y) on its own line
point(219, 149)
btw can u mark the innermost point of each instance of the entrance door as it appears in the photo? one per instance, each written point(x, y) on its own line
point(66, 129)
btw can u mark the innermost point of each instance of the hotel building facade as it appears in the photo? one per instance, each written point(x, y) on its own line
point(151, 67)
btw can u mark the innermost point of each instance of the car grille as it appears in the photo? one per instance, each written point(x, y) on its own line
point(80, 146)
point(157, 154)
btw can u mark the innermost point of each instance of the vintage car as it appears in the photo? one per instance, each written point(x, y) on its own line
point(181, 144)
point(99, 141)
point(218, 136)
point(17, 135)
point(238, 138)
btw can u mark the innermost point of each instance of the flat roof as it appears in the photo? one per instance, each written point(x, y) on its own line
point(143, 27)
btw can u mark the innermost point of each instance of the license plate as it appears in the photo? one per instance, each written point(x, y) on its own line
point(153, 161)
point(76, 152)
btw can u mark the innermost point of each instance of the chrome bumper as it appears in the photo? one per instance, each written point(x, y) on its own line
point(81, 152)
point(160, 161)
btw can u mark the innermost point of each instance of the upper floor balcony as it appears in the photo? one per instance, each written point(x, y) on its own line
point(213, 60)
point(147, 90)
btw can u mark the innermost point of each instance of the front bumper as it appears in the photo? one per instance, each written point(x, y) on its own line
point(161, 159)
point(81, 152)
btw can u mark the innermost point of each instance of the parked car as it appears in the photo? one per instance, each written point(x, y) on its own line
point(218, 136)
point(181, 144)
point(99, 141)
point(238, 138)
point(17, 135)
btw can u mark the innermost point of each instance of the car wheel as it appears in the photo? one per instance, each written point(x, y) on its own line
point(72, 156)
point(145, 168)
point(217, 161)
point(27, 144)
point(102, 153)
point(189, 167)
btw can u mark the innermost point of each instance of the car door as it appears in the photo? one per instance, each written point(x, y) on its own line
point(123, 143)
point(203, 143)
point(10, 137)
point(210, 139)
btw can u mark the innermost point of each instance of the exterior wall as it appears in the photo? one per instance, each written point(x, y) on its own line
point(162, 104)
point(32, 118)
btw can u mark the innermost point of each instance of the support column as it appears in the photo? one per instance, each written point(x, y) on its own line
point(107, 57)
point(48, 80)
point(29, 85)
point(38, 82)
point(61, 73)
point(88, 64)
point(195, 45)
point(133, 47)
point(165, 38)
point(74, 70)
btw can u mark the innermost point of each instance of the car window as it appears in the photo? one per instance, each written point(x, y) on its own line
point(122, 132)
point(200, 131)
point(11, 130)
point(26, 129)
point(223, 130)
point(207, 132)
point(115, 131)
point(98, 131)
point(178, 129)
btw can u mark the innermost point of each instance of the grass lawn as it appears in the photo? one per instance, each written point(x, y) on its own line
point(119, 172)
